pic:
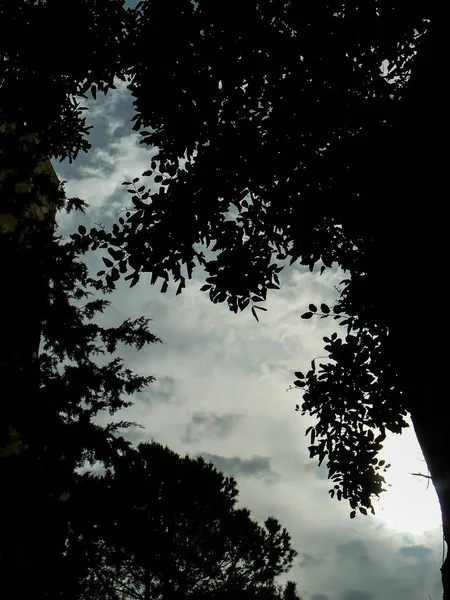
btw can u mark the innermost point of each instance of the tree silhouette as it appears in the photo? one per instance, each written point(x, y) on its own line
point(159, 526)
point(50, 52)
point(50, 399)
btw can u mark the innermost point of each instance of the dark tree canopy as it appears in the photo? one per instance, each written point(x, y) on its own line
point(50, 53)
point(160, 526)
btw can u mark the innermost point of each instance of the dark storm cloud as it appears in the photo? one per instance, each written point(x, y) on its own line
point(354, 550)
point(204, 424)
point(421, 553)
point(308, 560)
point(320, 597)
point(257, 466)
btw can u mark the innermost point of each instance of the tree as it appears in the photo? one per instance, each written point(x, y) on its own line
point(51, 399)
point(159, 526)
point(273, 130)
point(46, 413)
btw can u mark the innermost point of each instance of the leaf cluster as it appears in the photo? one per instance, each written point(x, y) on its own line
point(52, 52)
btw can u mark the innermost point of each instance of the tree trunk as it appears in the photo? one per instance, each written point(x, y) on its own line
point(414, 255)
point(432, 430)
point(29, 532)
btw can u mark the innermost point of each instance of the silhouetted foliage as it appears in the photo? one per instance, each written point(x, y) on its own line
point(160, 526)
point(50, 53)
point(50, 402)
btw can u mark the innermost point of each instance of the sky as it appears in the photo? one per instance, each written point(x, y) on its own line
point(221, 392)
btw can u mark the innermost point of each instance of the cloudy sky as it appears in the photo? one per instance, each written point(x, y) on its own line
point(221, 392)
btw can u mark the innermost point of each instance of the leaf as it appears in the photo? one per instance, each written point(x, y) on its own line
point(325, 308)
point(312, 307)
point(362, 510)
point(108, 263)
point(141, 188)
point(339, 495)
point(136, 179)
point(100, 273)
point(299, 383)
point(82, 229)
point(164, 287)
point(205, 288)
point(299, 375)
point(254, 313)
point(134, 280)
point(158, 179)
point(126, 183)
point(147, 173)
point(261, 308)
point(307, 315)
point(313, 435)
point(353, 514)
point(243, 303)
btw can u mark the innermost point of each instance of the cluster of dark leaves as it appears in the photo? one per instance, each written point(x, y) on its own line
point(50, 53)
point(356, 397)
